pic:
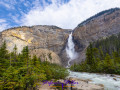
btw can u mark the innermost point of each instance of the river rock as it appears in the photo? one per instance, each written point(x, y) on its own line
point(115, 79)
point(85, 85)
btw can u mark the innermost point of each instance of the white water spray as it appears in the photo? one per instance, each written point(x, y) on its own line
point(70, 50)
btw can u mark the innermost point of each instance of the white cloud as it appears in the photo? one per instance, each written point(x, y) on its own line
point(5, 4)
point(67, 15)
point(2, 20)
point(9, 4)
point(3, 27)
point(15, 18)
point(3, 24)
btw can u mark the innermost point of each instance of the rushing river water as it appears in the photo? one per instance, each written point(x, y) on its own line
point(109, 82)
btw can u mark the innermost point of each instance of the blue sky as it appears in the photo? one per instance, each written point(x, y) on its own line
point(11, 11)
point(62, 13)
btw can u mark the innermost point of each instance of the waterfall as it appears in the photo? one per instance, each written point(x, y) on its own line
point(70, 50)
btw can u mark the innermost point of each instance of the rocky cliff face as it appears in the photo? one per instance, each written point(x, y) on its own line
point(97, 27)
point(36, 37)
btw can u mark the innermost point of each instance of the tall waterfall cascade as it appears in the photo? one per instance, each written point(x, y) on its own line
point(70, 50)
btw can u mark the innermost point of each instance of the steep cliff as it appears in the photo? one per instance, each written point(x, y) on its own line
point(97, 27)
point(36, 37)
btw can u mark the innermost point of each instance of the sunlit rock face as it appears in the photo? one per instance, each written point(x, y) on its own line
point(97, 27)
point(20, 37)
point(36, 37)
point(46, 55)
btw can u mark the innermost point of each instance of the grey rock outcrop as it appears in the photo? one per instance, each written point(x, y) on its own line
point(100, 26)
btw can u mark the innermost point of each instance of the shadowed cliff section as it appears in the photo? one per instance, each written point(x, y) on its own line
point(37, 37)
point(100, 26)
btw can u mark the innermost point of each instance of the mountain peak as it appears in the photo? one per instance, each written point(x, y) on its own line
point(109, 11)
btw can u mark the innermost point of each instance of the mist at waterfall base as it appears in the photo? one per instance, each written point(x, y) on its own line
point(70, 50)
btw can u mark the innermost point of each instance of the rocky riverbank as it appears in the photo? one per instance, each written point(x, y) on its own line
point(71, 84)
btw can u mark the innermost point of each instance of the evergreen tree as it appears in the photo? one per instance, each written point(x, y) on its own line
point(4, 62)
point(90, 55)
point(21, 72)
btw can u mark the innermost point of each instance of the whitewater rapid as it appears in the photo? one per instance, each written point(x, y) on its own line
point(109, 82)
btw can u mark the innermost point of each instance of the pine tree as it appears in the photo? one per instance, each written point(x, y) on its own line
point(116, 57)
point(90, 55)
point(108, 63)
point(101, 54)
point(35, 60)
point(3, 51)
point(25, 55)
point(4, 56)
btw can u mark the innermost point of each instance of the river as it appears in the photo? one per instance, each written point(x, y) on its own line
point(109, 82)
